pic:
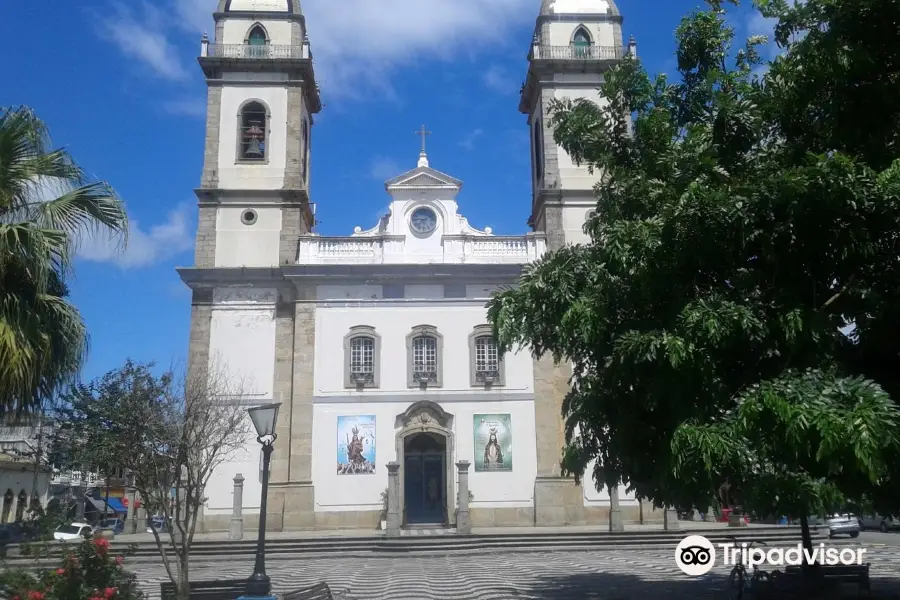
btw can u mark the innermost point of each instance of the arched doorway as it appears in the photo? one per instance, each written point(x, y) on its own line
point(425, 443)
point(21, 506)
point(424, 478)
point(8, 498)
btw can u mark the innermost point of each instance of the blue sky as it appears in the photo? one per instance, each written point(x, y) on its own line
point(118, 84)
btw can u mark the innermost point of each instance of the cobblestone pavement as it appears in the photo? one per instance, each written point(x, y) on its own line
point(581, 575)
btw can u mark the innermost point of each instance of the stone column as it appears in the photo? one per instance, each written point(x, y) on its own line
point(736, 519)
point(293, 179)
point(14, 507)
point(80, 491)
point(210, 178)
point(615, 511)
point(141, 519)
point(130, 521)
point(236, 529)
point(463, 522)
point(558, 500)
point(291, 501)
point(670, 518)
point(393, 515)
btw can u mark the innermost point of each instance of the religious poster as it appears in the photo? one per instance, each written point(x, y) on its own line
point(493, 443)
point(356, 445)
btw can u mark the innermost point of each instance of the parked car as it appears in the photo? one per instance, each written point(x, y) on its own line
point(73, 532)
point(842, 524)
point(157, 523)
point(117, 526)
point(884, 524)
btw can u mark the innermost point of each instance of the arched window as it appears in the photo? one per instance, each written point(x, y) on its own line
point(257, 37)
point(581, 42)
point(257, 44)
point(486, 364)
point(254, 132)
point(538, 153)
point(362, 349)
point(425, 353)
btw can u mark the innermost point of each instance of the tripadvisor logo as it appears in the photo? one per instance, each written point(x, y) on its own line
point(695, 555)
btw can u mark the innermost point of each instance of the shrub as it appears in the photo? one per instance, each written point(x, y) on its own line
point(87, 572)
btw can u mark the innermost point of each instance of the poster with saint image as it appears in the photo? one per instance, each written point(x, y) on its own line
point(356, 445)
point(493, 443)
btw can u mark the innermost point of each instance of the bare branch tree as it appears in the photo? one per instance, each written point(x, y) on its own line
point(171, 433)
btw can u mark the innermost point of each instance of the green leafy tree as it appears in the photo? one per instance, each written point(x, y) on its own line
point(170, 432)
point(46, 203)
point(742, 221)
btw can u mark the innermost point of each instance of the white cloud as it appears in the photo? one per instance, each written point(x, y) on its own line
point(468, 142)
point(384, 168)
point(145, 247)
point(356, 48)
point(142, 34)
point(186, 107)
point(499, 80)
point(195, 16)
point(753, 23)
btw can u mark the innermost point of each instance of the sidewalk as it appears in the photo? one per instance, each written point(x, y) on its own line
point(250, 535)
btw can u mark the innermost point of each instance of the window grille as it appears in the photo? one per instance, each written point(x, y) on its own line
point(425, 359)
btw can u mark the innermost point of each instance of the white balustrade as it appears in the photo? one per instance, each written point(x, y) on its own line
point(392, 249)
point(262, 52)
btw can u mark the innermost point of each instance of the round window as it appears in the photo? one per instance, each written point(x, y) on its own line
point(249, 216)
point(423, 220)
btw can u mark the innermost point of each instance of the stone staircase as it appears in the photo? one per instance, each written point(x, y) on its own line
point(450, 543)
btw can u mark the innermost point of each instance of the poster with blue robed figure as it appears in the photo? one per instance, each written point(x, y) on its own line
point(356, 445)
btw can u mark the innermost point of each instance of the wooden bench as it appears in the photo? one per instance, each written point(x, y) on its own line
point(207, 590)
point(857, 574)
point(317, 592)
point(231, 590)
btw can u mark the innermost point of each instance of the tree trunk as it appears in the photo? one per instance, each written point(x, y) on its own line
point(184, 583)
point(804, 532)
point(809, 571)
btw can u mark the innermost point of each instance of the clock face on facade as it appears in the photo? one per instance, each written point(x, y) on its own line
point(423, 220)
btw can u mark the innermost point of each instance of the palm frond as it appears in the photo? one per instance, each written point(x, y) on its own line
point(47, 207)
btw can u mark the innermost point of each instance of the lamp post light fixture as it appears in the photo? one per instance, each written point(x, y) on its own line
point(264, 417)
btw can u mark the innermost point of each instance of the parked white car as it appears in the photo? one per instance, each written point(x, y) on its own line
point(75, 531)
point(884, 524)
point(842, 524)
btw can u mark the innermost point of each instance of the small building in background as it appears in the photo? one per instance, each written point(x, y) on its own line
point(24, 474)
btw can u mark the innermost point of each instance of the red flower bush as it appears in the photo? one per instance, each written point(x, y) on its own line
point(88, 572)
point(102, 545)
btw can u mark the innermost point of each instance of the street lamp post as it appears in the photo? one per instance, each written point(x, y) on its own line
point(264, 418)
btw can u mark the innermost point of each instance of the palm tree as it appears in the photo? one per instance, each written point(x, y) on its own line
point(47, 206)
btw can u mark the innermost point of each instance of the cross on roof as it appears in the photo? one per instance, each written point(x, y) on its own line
point(423, 132)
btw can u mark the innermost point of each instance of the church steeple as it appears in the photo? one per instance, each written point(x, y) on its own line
point(575, 43)
point(254, 193)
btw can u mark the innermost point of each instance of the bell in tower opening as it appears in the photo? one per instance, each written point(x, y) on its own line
point(253, 129)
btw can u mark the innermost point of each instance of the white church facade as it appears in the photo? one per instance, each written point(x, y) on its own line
point(376, 344)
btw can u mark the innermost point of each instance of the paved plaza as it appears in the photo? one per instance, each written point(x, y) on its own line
point(582, 575)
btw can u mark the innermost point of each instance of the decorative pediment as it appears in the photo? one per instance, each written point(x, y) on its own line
point(425, 414)
point(423, 177)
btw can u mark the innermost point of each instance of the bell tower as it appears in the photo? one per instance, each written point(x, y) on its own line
point(575, 43)
point(262, 96)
